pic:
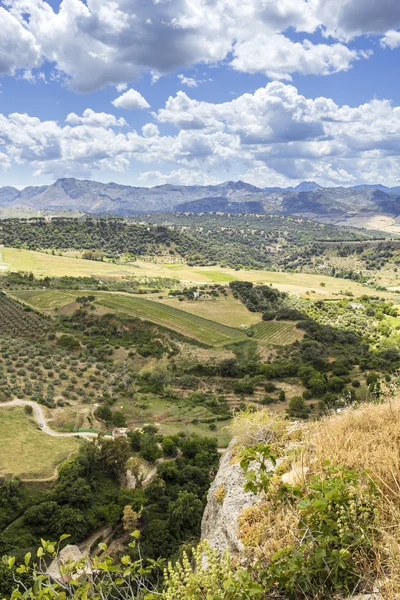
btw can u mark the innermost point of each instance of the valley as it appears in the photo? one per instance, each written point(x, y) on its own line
point(130, 350)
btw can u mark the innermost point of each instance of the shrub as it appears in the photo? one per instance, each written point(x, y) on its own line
point(297, 408)
point(337, 528)
point(208, 575)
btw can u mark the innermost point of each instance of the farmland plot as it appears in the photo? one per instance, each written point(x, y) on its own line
point(277, 333)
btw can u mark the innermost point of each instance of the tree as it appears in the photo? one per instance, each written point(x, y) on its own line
point(298, 408)
point(169, 446)
point(130, 519)
point(186, 513)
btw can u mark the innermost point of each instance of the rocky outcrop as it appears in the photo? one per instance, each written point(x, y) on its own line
point(225, 502)
point(67, 558)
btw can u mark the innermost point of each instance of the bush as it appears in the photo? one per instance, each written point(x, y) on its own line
point(297, 408)
point(169, 447)
point(269, 387)
point(337, 525)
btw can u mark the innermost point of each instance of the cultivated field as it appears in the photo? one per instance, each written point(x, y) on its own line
point(295, 283)
point(14, 320)
point(204, 330)
point(227, 311)
point(277, 333)
point(30, 454)
point(46, 300)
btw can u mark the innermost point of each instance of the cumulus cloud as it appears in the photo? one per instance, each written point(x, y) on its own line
point(391, 39)
point(95, 119)
point(150, 130)
point(18, 47)
point(101, 42)
point(270, 137)
point(350, 18)
point(131, 100)
point(280, 57)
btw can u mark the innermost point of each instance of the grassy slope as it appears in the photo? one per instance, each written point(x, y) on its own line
point(31, 453)
point(47, 300)
point(295, 283)
point(204, 330)
point(228, 311)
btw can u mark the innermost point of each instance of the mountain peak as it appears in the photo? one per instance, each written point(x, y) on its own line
point(306, 186)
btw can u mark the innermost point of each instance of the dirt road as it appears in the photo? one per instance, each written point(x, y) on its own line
point(41, 420)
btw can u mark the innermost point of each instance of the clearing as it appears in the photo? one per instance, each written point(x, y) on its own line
point(31, 454)
point(47, 300)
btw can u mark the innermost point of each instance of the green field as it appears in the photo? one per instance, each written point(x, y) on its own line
point(277, 333)
point(27, 451)
point(42, 264)
point(173, 416)
point(204, 330)
point(226, 310)
point(46, 300)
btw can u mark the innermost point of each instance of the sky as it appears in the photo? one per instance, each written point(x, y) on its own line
point(147, 92)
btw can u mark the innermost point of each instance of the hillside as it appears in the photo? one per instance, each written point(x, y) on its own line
point(96, 197)
point(320, 517)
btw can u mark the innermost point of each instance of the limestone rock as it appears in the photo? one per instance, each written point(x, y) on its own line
point(296, 476)
point(226, 500)
point(68, 555)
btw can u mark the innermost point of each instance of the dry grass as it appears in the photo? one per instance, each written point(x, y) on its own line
point(366, 439)
point(258, 427)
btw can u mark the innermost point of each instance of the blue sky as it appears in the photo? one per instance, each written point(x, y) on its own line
point(144, 92)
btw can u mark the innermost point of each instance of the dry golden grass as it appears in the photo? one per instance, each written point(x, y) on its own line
point(366, 439)
point(258, 427)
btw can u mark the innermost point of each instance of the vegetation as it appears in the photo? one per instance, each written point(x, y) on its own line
point(34, 454)
point(119, 341)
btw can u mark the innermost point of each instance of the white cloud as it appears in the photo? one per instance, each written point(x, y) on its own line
point(112, 42)
point(350, 18)
point(189, 81)
point(131, 100)
point(178, 177)
point(278, 57)
point(94, 119)
point(18, 47)
point(391, 39)
point(270, 137)
point(150, 130)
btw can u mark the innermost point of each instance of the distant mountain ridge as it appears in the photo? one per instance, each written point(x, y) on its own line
point(230, 196)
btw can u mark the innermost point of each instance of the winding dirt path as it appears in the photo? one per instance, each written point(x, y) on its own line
point(41, 420)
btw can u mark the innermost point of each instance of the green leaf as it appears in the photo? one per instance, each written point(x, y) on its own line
point(11, 561)
point(136, 534)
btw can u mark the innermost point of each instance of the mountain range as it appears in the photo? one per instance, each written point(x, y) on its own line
point(232, 196)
